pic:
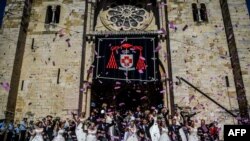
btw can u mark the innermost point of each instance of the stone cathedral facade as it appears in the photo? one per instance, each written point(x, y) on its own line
point(56, 56)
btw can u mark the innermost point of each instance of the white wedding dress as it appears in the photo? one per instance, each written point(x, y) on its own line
point(92, 135)
point(38, 136)
point(132, 134)
point(182, 134)
point(59, 136)
point(80, 135)
point(164, 135)
point(181, 131)
point(193, 135)
point(155, 131)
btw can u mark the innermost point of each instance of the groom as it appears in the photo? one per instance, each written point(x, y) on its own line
point(174, 131)
point(144, 130)
point(203, 132)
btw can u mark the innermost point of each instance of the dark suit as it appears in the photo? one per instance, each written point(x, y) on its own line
point(118, 125)
point(151, 123)
point(144, 129)
point(72, 128)
point(102, 130)
point(175, 134)
point(203, 132)
point(50, 132)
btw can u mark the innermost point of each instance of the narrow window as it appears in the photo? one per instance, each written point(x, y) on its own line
point(203, 12)
point(49, 14)
point(2, 8)
point(32, 44)
point(57, 14)
point(248, 6)
point(195, 12)
point(53, 14)
point(58, 76)
point(22, 85)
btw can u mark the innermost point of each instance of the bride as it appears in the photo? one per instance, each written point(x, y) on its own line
point(80, 134)
point(193, 132)
point(92, 130)
point(182, 134)
point(38, 132)
point(164, 132)
point(154, 129)
point(132, 132)
point(60, 131)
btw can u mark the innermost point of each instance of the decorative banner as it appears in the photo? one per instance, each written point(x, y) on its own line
point(128, 59)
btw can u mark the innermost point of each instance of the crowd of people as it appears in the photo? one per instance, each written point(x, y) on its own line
point(107, 124)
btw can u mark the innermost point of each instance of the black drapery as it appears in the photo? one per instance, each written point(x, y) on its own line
point(112, 53)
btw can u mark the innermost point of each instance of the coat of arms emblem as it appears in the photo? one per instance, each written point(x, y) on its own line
point(127, 59)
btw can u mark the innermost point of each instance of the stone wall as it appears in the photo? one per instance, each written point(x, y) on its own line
point(200, 55)
point(9, 34)
point(41, 91)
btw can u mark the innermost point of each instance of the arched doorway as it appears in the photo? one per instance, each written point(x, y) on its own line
point(123, 96)
point(126, 73)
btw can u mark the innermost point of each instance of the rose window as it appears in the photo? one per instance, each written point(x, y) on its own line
point(126, 17)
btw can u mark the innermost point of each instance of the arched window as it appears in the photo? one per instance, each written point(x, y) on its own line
point(203, 12)
point(53, 14)
point(195, 12)
point(2, 8)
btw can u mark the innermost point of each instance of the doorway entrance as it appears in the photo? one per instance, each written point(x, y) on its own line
point(126, 73)
point(123, 97)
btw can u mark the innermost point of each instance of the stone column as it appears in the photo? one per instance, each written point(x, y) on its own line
point(89, 58)
point(88, 102)
point(164, 77)
point(15, 34)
